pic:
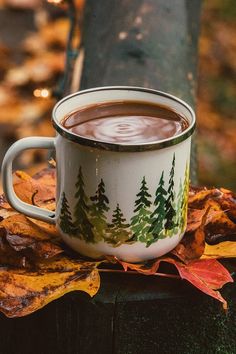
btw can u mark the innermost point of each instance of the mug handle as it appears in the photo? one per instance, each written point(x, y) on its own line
point(17, 204)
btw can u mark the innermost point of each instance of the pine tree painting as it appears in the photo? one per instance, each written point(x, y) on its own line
point(159, 214)
point(140, 222)
point(118, 228)
point(98, 210)
point(169, 207)
point(179, 204)
point(66, 223)
point(184, 204)
point(84, 228)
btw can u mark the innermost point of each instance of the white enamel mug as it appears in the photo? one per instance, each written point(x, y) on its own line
point(125, 200)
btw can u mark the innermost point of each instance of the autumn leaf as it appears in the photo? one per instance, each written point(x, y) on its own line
point(51, 34)
point(23, 242)
point(23, 292)
point(225, 249)
point(36, 69)
point(39, 190)
point(193, 244)
point(20, 224)
point(206, 275)
point(143, 268)
point(29, 246)
point(211, 219)
point(22, 112)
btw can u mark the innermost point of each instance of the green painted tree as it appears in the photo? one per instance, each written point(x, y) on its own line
point(184, 203)
point(179, 204)
point(140, 222)
point(66, 223)
point(159, 214)
point(98, 210)
point(118, 228)
point(169, 207)
point(84, 228)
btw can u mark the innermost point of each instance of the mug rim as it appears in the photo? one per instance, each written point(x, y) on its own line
point(135, 147)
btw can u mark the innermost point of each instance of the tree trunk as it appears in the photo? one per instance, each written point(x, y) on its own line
point(148, 43)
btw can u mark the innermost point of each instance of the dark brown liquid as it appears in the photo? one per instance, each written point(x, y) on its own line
point(125, 122)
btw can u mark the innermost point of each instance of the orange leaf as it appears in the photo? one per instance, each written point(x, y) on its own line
point(20, 224)
point(143, 268)
point(39, 190)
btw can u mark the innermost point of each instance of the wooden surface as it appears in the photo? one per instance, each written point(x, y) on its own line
point(142, 315)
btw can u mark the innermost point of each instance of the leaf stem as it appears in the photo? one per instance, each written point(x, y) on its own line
point(164, 275)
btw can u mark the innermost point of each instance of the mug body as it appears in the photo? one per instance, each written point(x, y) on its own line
point(125, 200)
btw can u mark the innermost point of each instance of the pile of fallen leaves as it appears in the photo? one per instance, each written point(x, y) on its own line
point(37, 267)
point(28, 86)
point(217, 94)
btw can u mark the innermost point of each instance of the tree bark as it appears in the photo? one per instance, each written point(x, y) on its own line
point(148, 43)
point(151, 43)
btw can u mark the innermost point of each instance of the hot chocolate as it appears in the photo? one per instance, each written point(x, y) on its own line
point(126, 122)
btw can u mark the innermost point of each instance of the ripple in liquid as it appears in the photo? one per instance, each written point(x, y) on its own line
point(128, 129)
point(125, 122)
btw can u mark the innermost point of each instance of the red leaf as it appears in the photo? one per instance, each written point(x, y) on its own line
point(206, 275)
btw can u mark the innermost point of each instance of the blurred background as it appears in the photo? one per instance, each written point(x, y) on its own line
point(33, 40)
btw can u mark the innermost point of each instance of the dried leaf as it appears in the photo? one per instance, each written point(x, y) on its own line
point(37, 69)
point(222, 250)
point(193, 244)
point(40, 248)
point(8, 256)
point(23, 4)
point(143, 268)
point(22, 112)
point(23, 292)
point(52, 162)
point(51, 34)
point(39, 190)
point(23, 242)
point(211, 219)
point(20, 224)
point(207, 275)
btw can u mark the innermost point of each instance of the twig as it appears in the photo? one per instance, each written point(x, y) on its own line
point(33, 196)
point(71, 53)
point(77, 73)
point(164, 275)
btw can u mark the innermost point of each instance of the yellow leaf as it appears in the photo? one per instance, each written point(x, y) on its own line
point(23, 292)
point(225, 249)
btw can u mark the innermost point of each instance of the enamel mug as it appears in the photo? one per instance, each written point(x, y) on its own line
point(125, 200)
